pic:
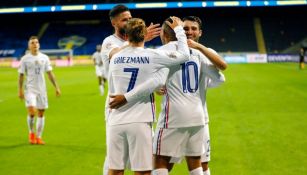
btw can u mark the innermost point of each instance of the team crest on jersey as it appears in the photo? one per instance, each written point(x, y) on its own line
point(108, 46)
point(39, 62)
point(172, 55)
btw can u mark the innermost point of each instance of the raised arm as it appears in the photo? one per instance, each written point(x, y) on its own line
point(211, 71)
point(177, 24)
point(209, 53)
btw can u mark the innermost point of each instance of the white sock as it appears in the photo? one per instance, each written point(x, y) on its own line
point(40, 126)
point(160, 171)
point(197, 171)
point(105, 167)
point(101, 87)
point(207, 172)
point(31, 121)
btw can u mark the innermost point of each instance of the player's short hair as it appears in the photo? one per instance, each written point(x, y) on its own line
point(136, 30)
point(168, 30)
point(116, 10)
point(33, 37)
point(194, 19)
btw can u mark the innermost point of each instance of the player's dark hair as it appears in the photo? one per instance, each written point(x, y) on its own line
point(194, 19)
point(168, 31)
point(33, 37)
point(136, 30)
point(116, 10)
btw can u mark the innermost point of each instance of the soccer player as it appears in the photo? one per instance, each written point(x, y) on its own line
point(302, 55)
point(129, 128)
point(99, 68)
point(119, 15)
point(178, 100)
point(193, 30)
point(34, 64)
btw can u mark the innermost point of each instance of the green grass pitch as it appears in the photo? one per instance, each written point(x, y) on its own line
point(258, 124)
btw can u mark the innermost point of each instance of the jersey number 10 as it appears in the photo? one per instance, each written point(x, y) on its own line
point(187, 69)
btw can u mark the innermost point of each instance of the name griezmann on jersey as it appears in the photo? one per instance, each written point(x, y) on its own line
point(135, 60)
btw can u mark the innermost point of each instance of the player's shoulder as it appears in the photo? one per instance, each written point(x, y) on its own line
point(195, 52)
point(173, 45)
point(112, 39)
point(25, 57)
point(108, 39)
point(42, 55)
point(153, 52)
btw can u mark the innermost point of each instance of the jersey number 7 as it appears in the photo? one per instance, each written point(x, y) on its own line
point(134, 74)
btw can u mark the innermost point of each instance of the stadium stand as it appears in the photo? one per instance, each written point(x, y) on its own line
point(90, 33)
point(282, 33)
point(225, 30)
point(14, 37)
point(231, 35)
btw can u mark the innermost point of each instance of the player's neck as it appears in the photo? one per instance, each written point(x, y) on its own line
point(123, 37)
point(140, 44)
point(34, 53)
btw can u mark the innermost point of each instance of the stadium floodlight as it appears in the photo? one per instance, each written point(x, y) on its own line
point(182, 4)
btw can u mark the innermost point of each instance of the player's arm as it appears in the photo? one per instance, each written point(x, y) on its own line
point(20, 85)
point(54, 83)
point(182, 54)
point(210, 70)
point(176, 25)
point(142, 90)
point(21, 71)
point(116, 50)
point(210, 54)
point(212, 83)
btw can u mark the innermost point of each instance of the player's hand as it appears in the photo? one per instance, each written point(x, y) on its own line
point(153, 31)
point(176, 22)
point(21, 95)
point(161, 91)
point(116, 101)
point(192, 44)
point(58, 92)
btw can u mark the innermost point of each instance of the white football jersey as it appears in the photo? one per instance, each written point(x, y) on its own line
point(131, 67)
point(217, 77)
point(182, 106)
point(34, 68)
point(108, 44)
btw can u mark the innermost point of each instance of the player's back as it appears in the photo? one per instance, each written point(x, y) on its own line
point(129, 68)
point(181, 106)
